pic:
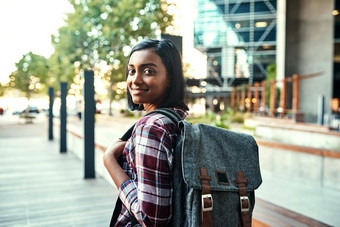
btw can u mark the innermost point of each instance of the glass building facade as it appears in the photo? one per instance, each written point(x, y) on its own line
point(238, 37)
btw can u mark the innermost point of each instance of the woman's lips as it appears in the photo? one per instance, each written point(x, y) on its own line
point(137, 91)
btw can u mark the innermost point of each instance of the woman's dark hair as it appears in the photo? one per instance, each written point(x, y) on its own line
point(171, 58)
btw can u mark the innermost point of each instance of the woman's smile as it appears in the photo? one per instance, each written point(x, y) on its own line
point(138, 91)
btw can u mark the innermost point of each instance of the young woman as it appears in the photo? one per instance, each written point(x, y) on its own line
point(154, 80)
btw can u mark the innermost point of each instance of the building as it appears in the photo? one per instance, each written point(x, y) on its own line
point(242, 37)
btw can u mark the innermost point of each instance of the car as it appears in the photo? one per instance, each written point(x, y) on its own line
point(29, 109)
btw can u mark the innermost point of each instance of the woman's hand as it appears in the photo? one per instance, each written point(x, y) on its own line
point(110, 158)
point(115, 149)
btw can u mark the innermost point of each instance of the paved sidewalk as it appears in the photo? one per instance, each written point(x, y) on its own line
point(41, 187)
point(304, 197)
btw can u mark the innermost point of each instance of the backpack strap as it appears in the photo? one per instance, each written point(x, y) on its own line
point(244, 200)
point(171, 114)
point(128, 133)
point(207, 201)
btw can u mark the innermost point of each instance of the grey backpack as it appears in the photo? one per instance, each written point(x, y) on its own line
point(215, 173)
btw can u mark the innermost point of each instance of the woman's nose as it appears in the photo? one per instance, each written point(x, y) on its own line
point(138, 78)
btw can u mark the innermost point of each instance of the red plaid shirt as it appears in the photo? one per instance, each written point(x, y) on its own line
point(148, 157)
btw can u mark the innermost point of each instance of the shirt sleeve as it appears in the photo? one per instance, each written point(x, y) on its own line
point(149, 197)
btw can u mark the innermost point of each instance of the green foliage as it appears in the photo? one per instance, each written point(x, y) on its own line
point(238, 118)
point(60, 70)
point(248, 128)
point(234, 116)
point(2, 90)
point(31, 75)
point(210, 118)
point(271, 72)
point(102, 31)
point(221, 120)
point(271, 75)
point(200, 119)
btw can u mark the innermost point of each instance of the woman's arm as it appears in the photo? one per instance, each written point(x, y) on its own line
point(149, 196)
point(110, 162)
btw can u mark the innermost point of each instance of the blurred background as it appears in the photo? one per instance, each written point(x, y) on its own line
point(226, 47)
point(270, 68)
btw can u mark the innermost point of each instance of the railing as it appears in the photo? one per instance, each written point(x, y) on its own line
point(253, 97)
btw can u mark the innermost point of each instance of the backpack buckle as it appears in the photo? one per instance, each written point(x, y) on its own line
point(207, 196)
point(246, 207)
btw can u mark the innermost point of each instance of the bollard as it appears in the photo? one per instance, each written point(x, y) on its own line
point(321, 109)
point(63, 116)
point(88, 122)
point(50, 113)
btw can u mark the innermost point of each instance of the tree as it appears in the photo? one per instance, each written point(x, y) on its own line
point(271, 72)
point(60, 69)
point(2, 90)
point(271, 75)
point(102, 31)
point(31, 74)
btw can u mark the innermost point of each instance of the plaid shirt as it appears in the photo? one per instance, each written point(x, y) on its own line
point(148, 156)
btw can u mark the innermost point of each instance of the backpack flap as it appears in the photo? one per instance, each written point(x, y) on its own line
point(222, 152)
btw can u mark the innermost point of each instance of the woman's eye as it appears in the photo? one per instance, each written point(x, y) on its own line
point(149, 71)
point(131, 71)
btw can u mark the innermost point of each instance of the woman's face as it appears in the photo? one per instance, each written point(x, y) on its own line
point(147, 79)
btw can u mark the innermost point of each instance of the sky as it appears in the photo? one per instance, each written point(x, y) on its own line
point(27, 25)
